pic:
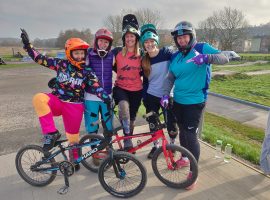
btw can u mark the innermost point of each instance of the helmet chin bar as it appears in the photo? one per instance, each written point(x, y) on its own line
point(102, 53)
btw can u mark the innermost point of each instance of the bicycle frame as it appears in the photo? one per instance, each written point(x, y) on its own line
point(100, 145)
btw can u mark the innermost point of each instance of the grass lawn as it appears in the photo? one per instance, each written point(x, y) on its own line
point(254, 56)
point(246, 140)
point(249, 88)
point(241, 69)
point(18, 65)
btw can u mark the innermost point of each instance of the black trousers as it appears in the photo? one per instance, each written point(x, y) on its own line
point(188, 118)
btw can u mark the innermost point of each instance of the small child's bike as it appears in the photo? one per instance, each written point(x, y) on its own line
point(39, 168)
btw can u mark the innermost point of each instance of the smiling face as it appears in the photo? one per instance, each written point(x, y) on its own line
point(130, 40)
point(150, 45)
point(183, 40)
point(103, 44)
point(78, 55)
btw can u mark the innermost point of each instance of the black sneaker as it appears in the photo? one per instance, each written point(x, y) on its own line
point(77, 167)
point(49, 140)
point(151, 153)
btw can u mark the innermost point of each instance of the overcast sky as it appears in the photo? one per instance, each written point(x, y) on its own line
point(46, 18)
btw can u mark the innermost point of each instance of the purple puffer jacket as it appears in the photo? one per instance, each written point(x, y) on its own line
point(102, 68)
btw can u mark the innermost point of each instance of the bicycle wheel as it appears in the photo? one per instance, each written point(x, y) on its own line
point(92, 163)
point(172, 174)
point(25, 160)
point(129, 179)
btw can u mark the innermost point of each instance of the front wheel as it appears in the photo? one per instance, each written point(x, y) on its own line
point(123, 176)
point(169, 170)
point(35, 174)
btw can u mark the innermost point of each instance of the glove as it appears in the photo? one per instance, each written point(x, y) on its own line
point(51, 83)
point(109, 103)
point(199, 59)
point(25, 38)
point(164, 101)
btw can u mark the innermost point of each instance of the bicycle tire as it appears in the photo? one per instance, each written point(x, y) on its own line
point(106, 168)
point(92, 163)
point(178, 175)
point(25, 174)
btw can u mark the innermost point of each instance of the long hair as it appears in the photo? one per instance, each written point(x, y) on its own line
point(146, 65)
point(136, 49)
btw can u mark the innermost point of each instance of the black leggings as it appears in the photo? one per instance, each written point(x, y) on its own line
point(132, 97)
point(152, 103)
point(188, 118)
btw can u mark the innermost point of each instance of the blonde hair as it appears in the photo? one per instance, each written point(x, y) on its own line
point(146, 65)
point(136, 49)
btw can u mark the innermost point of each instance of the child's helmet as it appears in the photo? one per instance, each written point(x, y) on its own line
point(75, 44)
point(103, 33)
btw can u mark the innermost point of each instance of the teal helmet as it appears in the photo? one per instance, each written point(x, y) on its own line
point(149, 31)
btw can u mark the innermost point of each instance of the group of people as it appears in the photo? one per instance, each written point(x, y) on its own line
point(84, 83)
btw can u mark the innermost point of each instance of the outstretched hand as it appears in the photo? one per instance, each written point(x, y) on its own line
point(199, 59)
point(25, 38)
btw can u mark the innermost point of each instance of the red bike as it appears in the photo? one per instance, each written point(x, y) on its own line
point(165, 159)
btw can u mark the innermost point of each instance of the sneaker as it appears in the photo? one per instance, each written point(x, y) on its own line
point(128, 144)
point(49, 140)
point(192, 186)
point(73, 156)
point(182, 162)
point(151, 153)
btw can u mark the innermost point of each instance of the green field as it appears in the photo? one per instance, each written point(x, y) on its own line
point(246, 140)
point(18, 65)
point(241, 69)
point(249, 88)
point(254, 56)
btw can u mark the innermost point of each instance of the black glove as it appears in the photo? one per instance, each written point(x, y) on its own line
point(52, 83)
point(109, 104)
point(25, 38)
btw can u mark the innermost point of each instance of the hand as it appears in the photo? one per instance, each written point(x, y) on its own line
point(109, 103)
point(52, 83)
point(199, 59)
point(164, 101)
point(25, 38)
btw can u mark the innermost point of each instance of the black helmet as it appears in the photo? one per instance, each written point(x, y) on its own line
point(130, 25)
point(184, 28)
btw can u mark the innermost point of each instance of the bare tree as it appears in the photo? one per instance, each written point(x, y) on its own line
point(207, 32)
point(114, 22)
point(146, 16)
point(227, 25)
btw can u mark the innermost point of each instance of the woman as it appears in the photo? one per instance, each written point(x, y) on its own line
point(189, 72)
point(127, 92)
point(155, 64)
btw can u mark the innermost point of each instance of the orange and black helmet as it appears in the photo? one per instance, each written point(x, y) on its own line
point(75, 44)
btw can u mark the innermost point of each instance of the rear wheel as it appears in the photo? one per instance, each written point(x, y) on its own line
point(171, 173)
point(30, 162)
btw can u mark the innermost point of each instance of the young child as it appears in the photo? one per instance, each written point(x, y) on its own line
point(101, 60)
point(66, 98)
